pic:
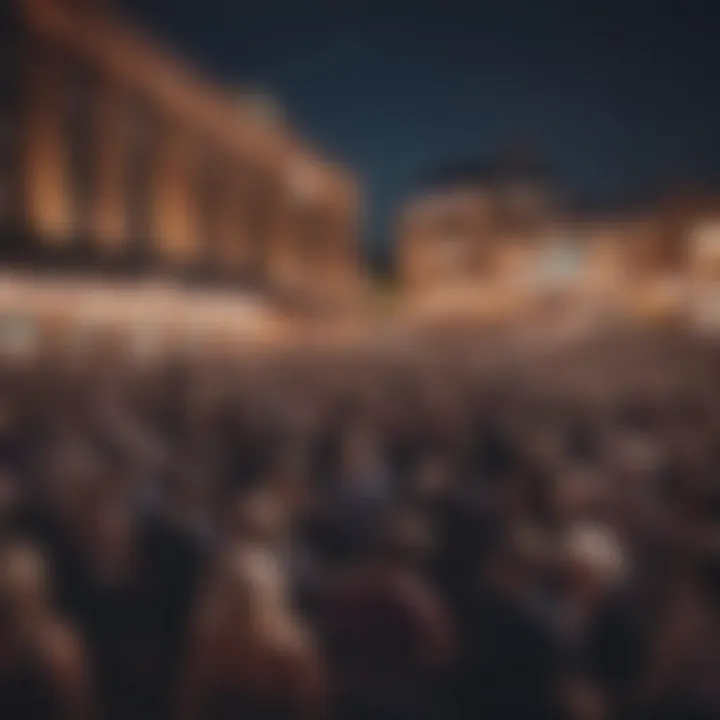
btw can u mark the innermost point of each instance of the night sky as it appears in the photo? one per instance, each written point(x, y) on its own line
point(620, 100)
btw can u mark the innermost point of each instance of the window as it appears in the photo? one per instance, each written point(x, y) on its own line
point(560, 263)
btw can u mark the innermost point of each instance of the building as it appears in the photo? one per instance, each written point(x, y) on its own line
point(117, 159)
point(464, 248)
point(464, 239)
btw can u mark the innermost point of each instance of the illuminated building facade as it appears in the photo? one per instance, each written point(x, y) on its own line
point(461, 243)
point(468, 237)
point(116, 157)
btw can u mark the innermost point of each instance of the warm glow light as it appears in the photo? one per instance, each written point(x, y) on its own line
point(304, 181)
point(706, 239)
point(144, 313)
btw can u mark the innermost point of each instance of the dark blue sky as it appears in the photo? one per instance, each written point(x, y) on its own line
point(619, 98)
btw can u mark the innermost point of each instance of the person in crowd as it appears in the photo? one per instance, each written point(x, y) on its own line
point(362, 492)
point(250, 655)
point(512, 660)
point(389, 635)
point(126, 578)
point(44, 671)
point(681, 677)
point(597, 616)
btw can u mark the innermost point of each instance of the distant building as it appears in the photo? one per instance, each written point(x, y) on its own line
point(496, 235)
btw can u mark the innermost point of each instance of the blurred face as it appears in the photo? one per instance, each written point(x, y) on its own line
point(360, 452)
point(75, 485)
point(594, 561)
point(433, 479)
point(290, 480)
point(256, 517)
point(24, 592)
point(249, 592)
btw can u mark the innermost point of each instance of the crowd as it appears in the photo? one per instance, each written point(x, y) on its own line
point(480, 527)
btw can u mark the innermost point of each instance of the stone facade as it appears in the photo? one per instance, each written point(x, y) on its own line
point(128, 160)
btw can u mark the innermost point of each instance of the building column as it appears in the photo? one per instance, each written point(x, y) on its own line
point(230, 241)
point(110, 222)
point(48, 202)
point(174, 203)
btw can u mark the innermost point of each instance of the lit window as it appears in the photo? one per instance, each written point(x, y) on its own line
point(560, 263)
